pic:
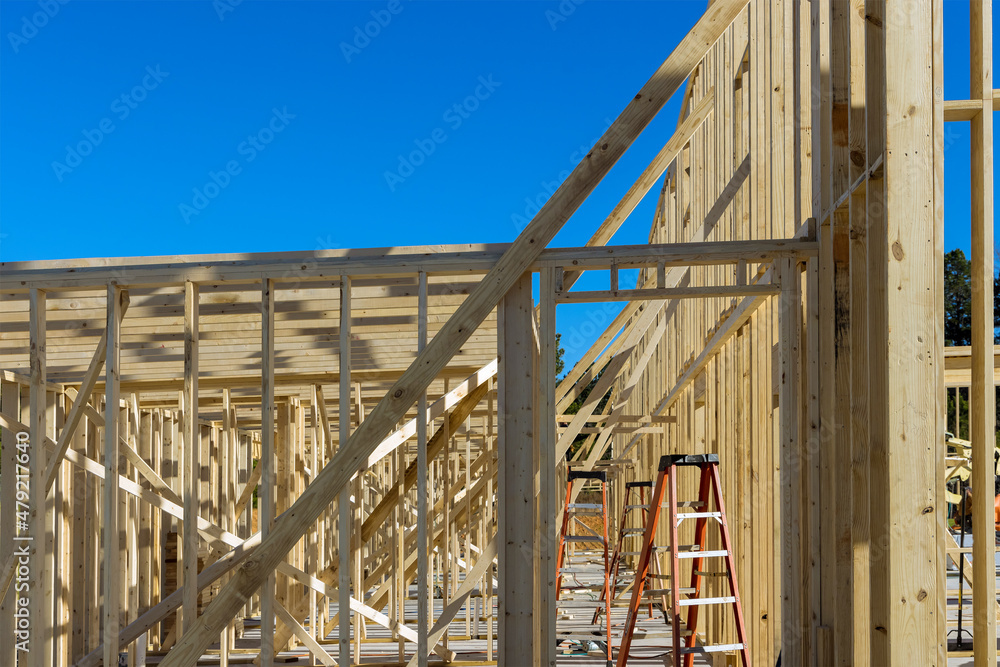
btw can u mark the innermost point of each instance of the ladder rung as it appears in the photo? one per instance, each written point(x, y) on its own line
point(667, 591)
point(698, 515)
point(639, 553)
point(583, 538)
point(651, 635)
point(703, 601)
point(577, 637)
point(702, 573)
point(585, 587)
point(702, 554)
point(584, 506)
point(716, 648)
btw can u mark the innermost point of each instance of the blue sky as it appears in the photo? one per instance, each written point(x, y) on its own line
point(248, 128)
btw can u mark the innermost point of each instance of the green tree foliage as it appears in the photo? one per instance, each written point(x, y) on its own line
point(958, 327)
point(958, 300)
point(560, 352)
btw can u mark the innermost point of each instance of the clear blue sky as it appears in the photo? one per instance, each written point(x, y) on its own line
point(169, 93)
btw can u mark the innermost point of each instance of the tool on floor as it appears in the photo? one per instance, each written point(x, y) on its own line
point(689, 598)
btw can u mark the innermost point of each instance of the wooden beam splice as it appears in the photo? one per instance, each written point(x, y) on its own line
point(353, 453)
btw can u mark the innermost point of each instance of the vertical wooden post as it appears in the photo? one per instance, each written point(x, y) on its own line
point(357, 513)
point(39, 591)
point(312, 562)
point(792, 463)
point(877, 249)
point(982, 403)
point(144, 447)
point(422, 601)
point(515, 491)
point(112, 558)
point(344, 503)
point(266, 488)
point(192, 458)
point(227, 469)
point(545, 539)
point(906, 355)
point(488, 519)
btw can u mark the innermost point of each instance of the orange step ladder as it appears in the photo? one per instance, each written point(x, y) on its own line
point(624, 535)
point(690, 598)
point(565, 535)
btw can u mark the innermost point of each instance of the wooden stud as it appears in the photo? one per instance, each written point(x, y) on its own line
point(344, 503)
point(516, 478)
point(545, 539)
point(192, 454)
point(266, 488)
point(423, 610)
point(111, 556)
point(982, 395)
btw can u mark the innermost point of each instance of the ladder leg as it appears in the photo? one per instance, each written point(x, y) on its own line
point(700, 529)
point(616, 557)
point(675, 609)
point(657, 570)
point(562, 538)
point(731, 567)
point(607, 593)
point(656, 567)
point(641, 571)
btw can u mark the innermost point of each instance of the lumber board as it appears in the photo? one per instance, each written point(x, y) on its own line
point(982, 398)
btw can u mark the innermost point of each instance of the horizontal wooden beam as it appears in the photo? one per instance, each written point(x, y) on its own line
point(958, 110)
point(17, 280)
point(667, 293)
point(698, 253)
